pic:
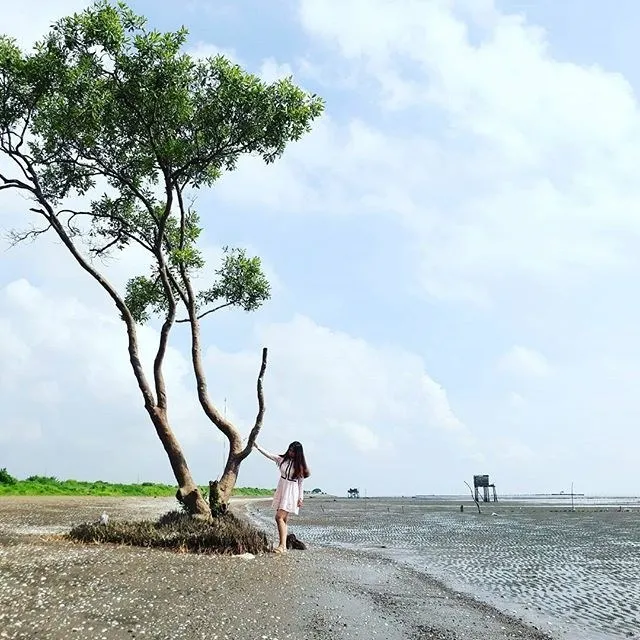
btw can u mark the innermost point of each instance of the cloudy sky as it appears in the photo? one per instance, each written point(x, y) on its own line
point(454, 253)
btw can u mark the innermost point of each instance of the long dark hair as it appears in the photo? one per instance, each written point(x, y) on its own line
point(295, 453)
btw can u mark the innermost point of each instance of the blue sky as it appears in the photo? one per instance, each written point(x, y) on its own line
point(453, 250)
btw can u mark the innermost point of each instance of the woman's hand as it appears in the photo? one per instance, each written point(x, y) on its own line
point(300, 503)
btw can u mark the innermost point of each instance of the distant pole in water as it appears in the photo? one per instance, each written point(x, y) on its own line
point(572, 507)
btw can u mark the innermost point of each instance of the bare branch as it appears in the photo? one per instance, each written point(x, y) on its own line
point(104, 216)
point(20, 159)
point(186, 293)
point(261, 408)
point(13, 183)
point(161, 390)
point(109, 172)
point(102, 250)
point(210, 410)
point(16, 237)
point(48, 212)
point(163, 271)
point(162, 223)
point(27, 122)
point(72, 228)
point(182, 294)
point(206, 313)
point(73, 214)
point(473, 496)
point(183, 214)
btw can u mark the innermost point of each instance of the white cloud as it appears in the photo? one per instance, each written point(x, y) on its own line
point(271, 70)
point(513, 451)
point(364, 439)
point(201, 50)
point(517, 401)
point(482, 194)
point(515, 165)
point(526, 362)
point(72, 354)
point(319, 378)
point(340, 395)
point(20, 431)
point(29, 20)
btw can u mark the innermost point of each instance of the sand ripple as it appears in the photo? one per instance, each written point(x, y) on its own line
point(579, 570)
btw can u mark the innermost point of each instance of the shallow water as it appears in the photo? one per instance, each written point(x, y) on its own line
point(575, 572)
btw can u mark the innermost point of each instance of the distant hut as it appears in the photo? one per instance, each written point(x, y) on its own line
point(482, 482)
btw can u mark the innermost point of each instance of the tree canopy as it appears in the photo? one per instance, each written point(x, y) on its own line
point(104, 97)
point(110, 129)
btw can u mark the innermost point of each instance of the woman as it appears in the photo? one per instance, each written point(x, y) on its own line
point(289, 494)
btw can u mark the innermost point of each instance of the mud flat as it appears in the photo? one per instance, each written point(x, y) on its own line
point(52, 589)
point(575, 574)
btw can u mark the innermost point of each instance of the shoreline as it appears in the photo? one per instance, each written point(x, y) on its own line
point(52, 589)
point(379, 597)
point(443, 552)
point(368, 590)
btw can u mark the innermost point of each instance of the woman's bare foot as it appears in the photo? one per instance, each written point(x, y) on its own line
point(280, 550)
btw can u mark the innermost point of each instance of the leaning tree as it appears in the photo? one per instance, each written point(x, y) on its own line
point(109, 129)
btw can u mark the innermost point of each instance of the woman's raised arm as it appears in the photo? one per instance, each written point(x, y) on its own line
point(266, 454)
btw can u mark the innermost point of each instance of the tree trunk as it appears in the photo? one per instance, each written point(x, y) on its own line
point(220, 490)
point(188, 492)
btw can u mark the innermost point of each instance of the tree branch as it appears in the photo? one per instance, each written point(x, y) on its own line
point(27, 122)
point(261, 408)
point(162, 223)
point(473, 497)
point(104, 216)
point(109, 172)
point(189, 299)
point(183, 294)
point(13, 183)
point(134, 357)
point(183, 216)
point(206, 313)
point(161, 389)
point(99, 251)
point(16, 237)
point(227, 427)
point(21, 160)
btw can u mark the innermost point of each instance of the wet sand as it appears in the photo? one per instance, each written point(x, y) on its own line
point(572, 573)
point(53, 589)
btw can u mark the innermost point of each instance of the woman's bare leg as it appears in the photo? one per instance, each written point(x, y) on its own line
point(281, 522)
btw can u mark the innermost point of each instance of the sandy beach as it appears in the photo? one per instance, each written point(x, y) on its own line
point(53, 590)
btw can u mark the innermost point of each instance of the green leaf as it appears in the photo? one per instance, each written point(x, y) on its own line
point(143, 293)
point(241, 282)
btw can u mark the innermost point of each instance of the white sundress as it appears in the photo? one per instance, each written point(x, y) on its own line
point(289, 490)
